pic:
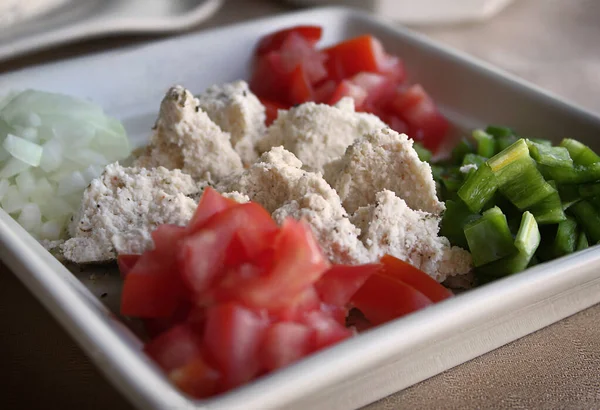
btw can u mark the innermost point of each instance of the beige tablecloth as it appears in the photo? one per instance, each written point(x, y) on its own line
point(554, 43)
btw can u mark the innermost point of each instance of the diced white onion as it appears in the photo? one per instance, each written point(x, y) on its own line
point(51, 230)
point(26, 151)
point(25, 183)
point(13, 167)
point(4, 184)
point(30, 217)
point(30, 134)
point(74, 182)
point(51, 147)
point(13, 201)
point(52, 155)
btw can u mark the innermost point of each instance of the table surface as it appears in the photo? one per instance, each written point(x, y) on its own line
point(553, 43)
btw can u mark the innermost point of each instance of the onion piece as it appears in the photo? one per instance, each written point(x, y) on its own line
point(26, 151)
point(4, 184)
point(26, 183)
point(13, 167)
point(30, 217)
point(51, 230)
point(13, 201)
point(74, 182)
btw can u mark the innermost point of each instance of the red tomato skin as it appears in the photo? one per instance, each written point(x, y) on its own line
point(126, 263)
point(347, 88)
point(382, 299)
point(340, 282)
point(151, 295)
point(174, 348)
point(307, 301)
point(274, 41)
point(296, 51)
point(196, 378)
point(298, 263)
point(327, 331)
point(157, 326)
point(323, 92)
point(419, 280)
point(285, 343)
point(269, 78)
point(272, 110)
point(300, 90)
point(202, 255)
point(419, 111)
point(364, 53)
point(210, 204)
point(232, 338)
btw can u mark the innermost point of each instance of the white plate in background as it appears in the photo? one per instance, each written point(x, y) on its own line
point(423, 12)
point(63, 21)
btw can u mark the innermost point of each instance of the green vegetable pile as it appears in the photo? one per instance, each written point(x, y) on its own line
point(514, 202)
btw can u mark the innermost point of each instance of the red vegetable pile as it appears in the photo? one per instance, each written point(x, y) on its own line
point(233, 295)
point(289, 69)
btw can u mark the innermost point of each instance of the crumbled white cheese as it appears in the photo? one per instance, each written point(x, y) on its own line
point(186, 138)
point(278, 183)
point(237, 197)
point(382, 160)
point(389, 226)
point(318, 133)
point(123, 206)
point(235, 109)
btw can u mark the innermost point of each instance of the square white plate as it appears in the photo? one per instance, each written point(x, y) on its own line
point(130, 83)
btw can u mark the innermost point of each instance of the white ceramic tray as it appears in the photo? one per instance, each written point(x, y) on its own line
point(130, 84)
point(74, 20)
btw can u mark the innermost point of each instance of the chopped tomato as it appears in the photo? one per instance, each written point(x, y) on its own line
point(232, 338)
point(415, 278)
point(307, 301)
point(211, 203)
point(297, 51)
point(285, 343)
point(345, 59)
point(174, 348)
point(272, 110)
point(382, 299)
point(126, 263)
point(327, 330)
point(203, 254)
point(340, 282)
point(426, 123)
point(156, 326)
point(269, 78)
point(324, 91)
point(298, 263)
point(347, 88)
point(274, 41)
point(196, 378)
point(152, 295)
point(301, 90)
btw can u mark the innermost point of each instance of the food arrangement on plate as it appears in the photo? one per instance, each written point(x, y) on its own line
point(270, 219)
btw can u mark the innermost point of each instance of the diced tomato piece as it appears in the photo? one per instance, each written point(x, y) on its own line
point(393, 68)
point(232, 337)
point(211, 203)
point(419, 111)
point(157, 326)
point(174, 348)
point(151, 295)
point(327, 330)
point(364, 53)
point(126, 263)
point(394, 121)
point(415, 278)
point(337, 312)
point(307, 301)
point(340, 282)
point(166, 240)
point(274, 41)
point(203, 255)
point(383, 298)
point(269, 79)
point(324, 91)
point(196, 378)
point(347, 88)
point(297, 51)
point(378, 87)
point(285, 343)
point(300, 89)
point(272, 110)
point(298, 263)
